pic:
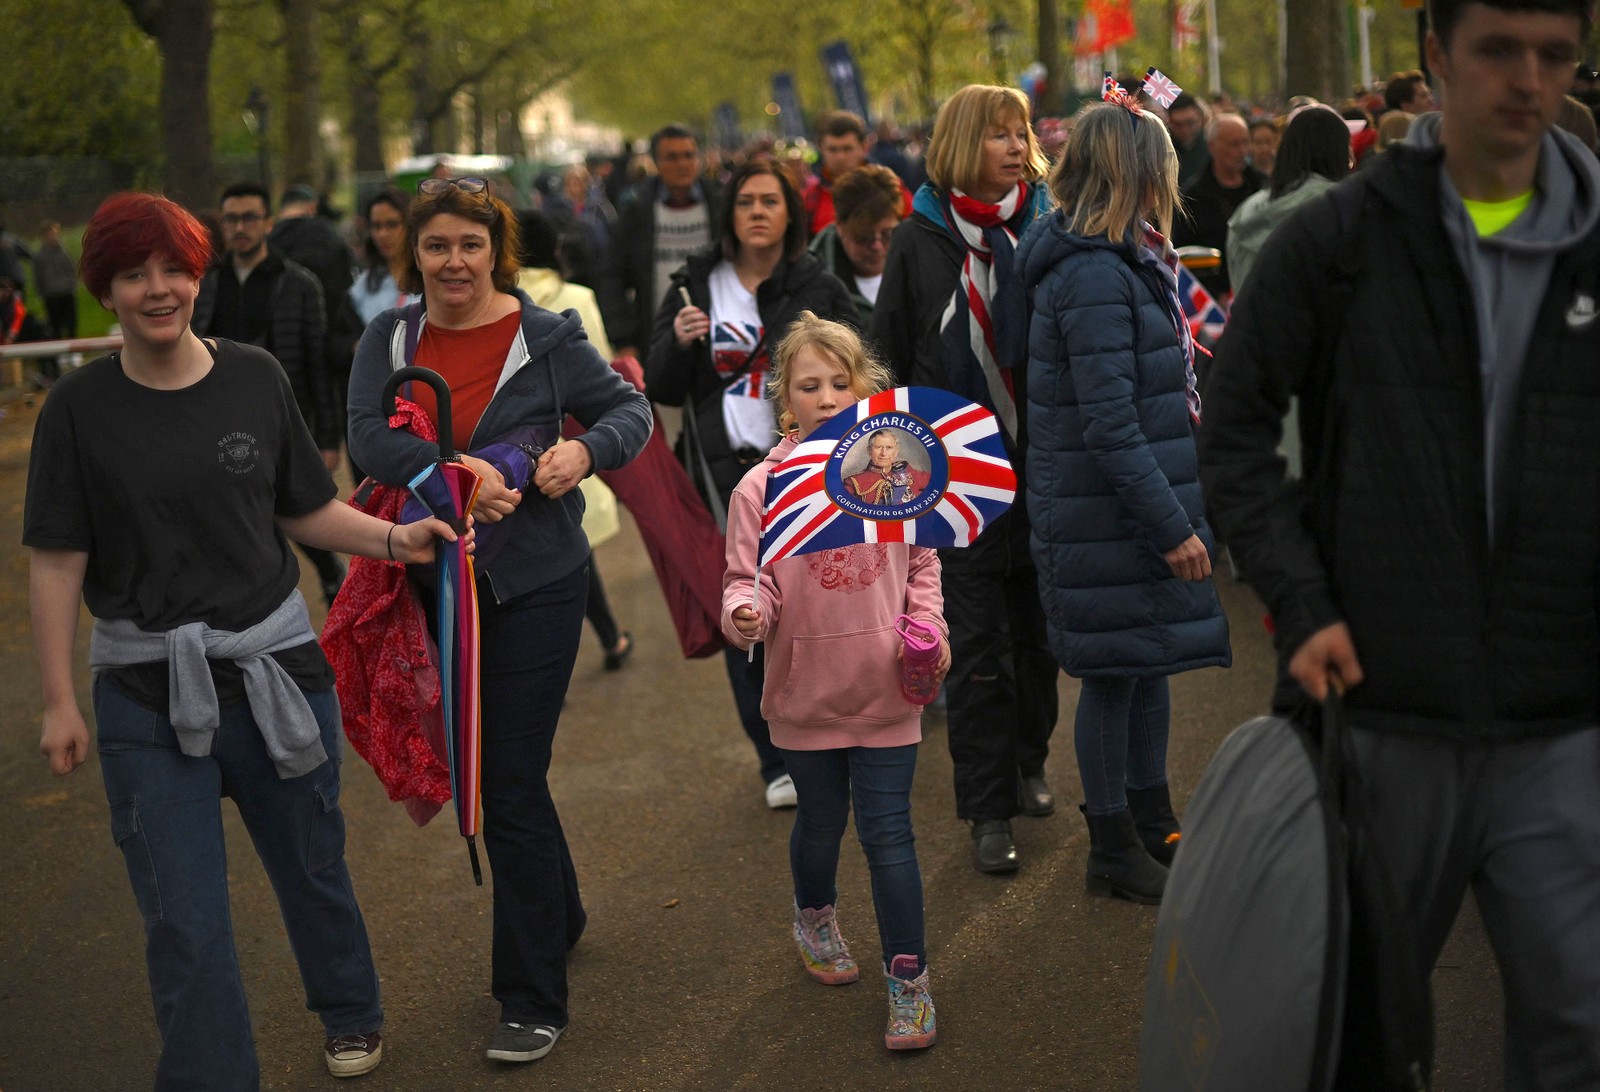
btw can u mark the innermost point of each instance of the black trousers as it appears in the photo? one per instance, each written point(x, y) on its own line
point(529, 645)
point(1002, 683)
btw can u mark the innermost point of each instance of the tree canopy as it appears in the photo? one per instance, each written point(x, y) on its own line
point(354, 77)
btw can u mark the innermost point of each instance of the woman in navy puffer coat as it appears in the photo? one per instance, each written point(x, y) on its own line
point(1119, 531)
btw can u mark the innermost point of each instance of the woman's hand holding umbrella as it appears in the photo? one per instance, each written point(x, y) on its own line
point(495, 501)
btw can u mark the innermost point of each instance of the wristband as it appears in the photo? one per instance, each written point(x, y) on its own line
point(389, 542)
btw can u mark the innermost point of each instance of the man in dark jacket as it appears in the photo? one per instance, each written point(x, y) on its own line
point(1440, 561)
point(1212, 197)
point(259, 298)
point(667, 219)
point(301, 234)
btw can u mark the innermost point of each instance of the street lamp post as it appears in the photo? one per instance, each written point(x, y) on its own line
point(1001, 32)
point(256, 120)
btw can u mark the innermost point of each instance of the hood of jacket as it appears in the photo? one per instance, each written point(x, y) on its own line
point(790, 276)
point(311, 241)
point(1261, 213)
point(1048, 242)
point(1566, 202)
point(929, 204)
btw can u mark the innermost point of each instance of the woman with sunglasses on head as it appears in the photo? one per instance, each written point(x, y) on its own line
point(984, 168)
point(866, 203)
point(710, 352)
point(163, 482)
point(1120, 533)
point(514, 370)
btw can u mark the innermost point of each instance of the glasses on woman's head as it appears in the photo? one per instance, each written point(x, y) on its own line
point(433, 187)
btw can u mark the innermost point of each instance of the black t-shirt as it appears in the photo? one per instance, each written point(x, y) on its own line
point(173, 495)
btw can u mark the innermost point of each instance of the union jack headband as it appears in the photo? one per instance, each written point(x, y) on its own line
point(1160, 87)
point(1112, 91)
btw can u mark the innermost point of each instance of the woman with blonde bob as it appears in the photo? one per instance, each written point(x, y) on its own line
point(984, 169)
point(1113, 486)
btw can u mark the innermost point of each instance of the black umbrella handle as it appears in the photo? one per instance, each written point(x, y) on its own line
point(441, 394)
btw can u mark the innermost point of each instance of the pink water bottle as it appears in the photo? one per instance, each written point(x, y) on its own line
point(921, 654)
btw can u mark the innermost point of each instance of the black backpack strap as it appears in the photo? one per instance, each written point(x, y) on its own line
point(412, 317)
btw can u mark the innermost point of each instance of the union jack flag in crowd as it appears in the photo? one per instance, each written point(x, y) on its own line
point(969, 481)
point(1206, 316)
point(1161, 88)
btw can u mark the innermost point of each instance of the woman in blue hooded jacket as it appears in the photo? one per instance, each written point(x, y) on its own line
point(1119, 531)
point(513, 368)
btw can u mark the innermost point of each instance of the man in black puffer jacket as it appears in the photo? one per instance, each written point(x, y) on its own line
point(1436, 315)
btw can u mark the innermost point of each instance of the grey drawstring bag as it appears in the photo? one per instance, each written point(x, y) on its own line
point(1278, 910)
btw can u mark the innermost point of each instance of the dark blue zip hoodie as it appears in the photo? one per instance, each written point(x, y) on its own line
point(550, 371)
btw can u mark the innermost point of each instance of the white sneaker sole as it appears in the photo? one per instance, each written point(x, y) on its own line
point(526, 1055)
point(354, 1067)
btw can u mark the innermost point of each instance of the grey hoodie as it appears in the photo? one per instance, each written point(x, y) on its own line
point(1510, 271)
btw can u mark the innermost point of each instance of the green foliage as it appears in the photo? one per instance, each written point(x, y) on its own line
point(81, 81)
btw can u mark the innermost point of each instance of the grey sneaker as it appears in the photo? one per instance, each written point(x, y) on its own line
point(522, 1042)
point(353, 1055)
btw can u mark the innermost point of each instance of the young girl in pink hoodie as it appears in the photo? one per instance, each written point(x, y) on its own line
point(832, 695)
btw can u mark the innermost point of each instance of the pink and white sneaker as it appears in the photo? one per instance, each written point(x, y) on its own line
point(911, 1020)
point(823, 948)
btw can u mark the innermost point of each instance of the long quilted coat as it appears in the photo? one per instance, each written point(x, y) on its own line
point(1112, 476)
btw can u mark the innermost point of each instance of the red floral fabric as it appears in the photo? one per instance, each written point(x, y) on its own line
point(385, 667)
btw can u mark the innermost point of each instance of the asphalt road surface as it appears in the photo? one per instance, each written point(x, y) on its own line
point(686, 978)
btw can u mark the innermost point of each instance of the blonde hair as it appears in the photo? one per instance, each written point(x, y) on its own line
point(835, 342)
point(1116, 165)
point(954, 160)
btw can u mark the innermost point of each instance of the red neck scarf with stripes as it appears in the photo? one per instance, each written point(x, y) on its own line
point(984, 328)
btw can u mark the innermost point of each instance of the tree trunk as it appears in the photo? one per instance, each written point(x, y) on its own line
point(1318, 61)
point(366, 102)
point(1048, 27)
point(183, 33)
point(418, 42)
point(302, 114)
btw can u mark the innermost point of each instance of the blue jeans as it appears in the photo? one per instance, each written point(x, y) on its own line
point(880, 780)
point(166, 816)
point(1121, 737)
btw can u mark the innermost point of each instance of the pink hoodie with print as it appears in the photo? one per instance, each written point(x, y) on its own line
point(833, 675)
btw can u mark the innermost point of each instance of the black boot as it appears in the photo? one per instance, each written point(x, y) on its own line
point(1158, 827)
point(1119, 865)
point(1034, 795)
point(992, 848)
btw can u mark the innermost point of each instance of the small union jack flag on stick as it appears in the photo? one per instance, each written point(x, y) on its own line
point(1161, 88)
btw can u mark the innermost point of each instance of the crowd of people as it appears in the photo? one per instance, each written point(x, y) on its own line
point(1412, 287)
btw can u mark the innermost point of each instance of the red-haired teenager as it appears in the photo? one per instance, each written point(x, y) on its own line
point(163, 481)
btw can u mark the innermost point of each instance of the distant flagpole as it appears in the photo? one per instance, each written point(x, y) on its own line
point(1213, 49)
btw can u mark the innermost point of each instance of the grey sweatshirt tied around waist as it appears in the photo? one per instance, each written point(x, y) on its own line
point(281, 712)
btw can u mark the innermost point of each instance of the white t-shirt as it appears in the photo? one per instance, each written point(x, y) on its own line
point(735, 330)
point(869, 287)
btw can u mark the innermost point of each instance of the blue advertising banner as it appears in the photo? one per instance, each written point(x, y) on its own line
point(790, 117)
point(725, 127)
point(849, 88)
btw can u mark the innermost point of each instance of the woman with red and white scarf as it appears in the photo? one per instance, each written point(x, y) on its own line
point(951, 314)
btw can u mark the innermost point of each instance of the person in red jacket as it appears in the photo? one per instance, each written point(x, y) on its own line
point(843, 139)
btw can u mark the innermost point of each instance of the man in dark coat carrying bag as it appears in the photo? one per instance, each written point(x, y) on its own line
point(1436, 316)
